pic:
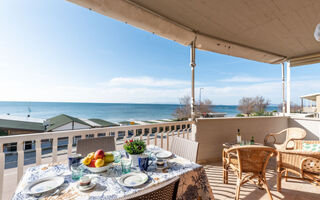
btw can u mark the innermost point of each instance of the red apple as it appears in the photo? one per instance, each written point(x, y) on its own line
point(99, 154)
point(92, 163)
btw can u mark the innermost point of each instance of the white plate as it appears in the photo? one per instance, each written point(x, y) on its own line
point(86, 188)
point(133, 179)
point(163, 154)
point(44, 185)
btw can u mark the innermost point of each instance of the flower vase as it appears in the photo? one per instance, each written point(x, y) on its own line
point(134, 158)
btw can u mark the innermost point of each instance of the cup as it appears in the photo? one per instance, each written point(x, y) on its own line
point(74, 159)
point(76, 171)
point(144, 162)
point(117, 156)
point(126, 165)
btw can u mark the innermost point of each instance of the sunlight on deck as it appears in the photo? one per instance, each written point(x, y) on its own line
point(293, 189)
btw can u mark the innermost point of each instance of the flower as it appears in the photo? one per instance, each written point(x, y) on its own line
point(126, 141)
point(131, 140)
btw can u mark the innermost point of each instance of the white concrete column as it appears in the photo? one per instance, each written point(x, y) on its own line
point(193, 65)
point(283, 90)
point(288, 87)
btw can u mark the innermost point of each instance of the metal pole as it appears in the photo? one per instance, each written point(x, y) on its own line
point(288, 87)
point(283, 90)
point(192, 64)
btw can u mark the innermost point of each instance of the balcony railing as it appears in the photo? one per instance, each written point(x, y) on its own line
point(158, 134)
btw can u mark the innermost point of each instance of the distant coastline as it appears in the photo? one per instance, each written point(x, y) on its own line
point(114, 112)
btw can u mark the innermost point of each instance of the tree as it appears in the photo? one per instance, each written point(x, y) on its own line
point(250, 105)
point(246, 105)
point(260, 104)
point(184, 111)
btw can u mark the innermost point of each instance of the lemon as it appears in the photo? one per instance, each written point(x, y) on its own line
point(99, 163)
point(86, 161)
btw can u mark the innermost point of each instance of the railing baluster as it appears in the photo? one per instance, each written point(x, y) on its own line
point(38, 152)
point(183, 132)
point(188, 132)
point(70, 141)
point(54, 149)
point(142, 133)
point(156, 136)
point(20, 160)
point(1, 170)
point(134, 133)
point(148, 136)
point(162, 138)
point(125, 135)
point(168, 134)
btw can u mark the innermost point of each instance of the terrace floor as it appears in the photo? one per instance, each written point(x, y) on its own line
point(292, 190)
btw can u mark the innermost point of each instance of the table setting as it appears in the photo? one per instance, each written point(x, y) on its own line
point(113, 175)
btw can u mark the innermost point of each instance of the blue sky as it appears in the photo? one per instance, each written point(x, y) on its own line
point(54, 50)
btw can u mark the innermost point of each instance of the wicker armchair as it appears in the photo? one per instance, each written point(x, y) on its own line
point(85, 146)
point(292, 134)
point(163, 191)
point(185, 148)
point(251, 160)
point(304, 164)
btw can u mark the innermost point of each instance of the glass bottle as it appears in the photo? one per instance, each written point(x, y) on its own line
point(238, 137)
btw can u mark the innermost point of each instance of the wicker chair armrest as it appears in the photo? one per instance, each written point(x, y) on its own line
point(273, 135)
point(299, 152)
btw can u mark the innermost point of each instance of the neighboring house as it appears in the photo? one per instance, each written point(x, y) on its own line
point(313, 103)
point(102, 123)
point(20, 125)
point(65, 122)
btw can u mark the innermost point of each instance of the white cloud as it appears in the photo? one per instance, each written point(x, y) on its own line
point(244, 79)
point(144, 81)
point(160, 92)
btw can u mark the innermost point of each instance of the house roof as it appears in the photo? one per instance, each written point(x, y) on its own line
point(61, 120)
point(103, 123)
point(264, 31)
point(311, 97)
point(21, 125)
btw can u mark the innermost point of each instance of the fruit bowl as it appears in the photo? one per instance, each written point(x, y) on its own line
point(98, 169)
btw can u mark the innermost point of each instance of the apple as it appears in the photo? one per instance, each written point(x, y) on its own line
point(99, 154)
point(92, 163)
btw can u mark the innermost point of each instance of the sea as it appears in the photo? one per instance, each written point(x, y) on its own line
point(114, 112)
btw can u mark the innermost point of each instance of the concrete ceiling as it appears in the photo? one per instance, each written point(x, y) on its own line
point(269, 31)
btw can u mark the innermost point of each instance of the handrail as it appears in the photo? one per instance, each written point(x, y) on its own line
point(121, 133)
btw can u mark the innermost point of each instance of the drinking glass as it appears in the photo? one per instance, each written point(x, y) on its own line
point(117, 156)
point(76, 171)
point(126, 165)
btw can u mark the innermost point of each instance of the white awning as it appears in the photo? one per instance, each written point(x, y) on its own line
point(264, 31)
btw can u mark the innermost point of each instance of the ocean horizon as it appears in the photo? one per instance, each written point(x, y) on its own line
point(113, 112)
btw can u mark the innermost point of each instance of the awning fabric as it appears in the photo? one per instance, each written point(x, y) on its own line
point(264, 31)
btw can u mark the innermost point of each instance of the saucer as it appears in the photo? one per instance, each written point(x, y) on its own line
point(87, 187)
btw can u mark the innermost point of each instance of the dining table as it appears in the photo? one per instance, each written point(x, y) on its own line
point(193, 183)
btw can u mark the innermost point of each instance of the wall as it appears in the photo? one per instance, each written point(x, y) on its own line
point(311, 125)
point(212, 133)
point(69, 127)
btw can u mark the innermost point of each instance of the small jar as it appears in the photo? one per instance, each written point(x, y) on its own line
point(85, 181)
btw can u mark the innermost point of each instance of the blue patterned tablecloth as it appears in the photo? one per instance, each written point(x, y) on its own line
point(193, 181)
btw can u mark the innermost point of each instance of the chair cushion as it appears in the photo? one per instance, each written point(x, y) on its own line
point(311, 147)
